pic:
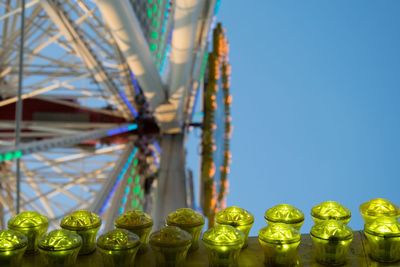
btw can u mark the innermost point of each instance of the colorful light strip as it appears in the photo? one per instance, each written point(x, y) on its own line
point(119, 179)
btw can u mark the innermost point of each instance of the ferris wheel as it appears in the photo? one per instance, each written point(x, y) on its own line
point(107, 97)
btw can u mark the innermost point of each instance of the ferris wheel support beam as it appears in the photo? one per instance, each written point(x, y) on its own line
point(7, 153)
point(68, 29)
point(204, 31)
point(125, 28)
point(171, 181)
point(186, 17)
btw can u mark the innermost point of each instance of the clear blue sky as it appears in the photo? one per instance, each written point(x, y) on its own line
point(316, 111)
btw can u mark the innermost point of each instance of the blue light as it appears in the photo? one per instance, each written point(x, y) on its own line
point(119, 179)
point(122, 129)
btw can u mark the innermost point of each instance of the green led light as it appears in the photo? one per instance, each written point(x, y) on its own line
point(153, 47)
point(18, 154)
point(136, 189)
point(9, 156)
point(154, 35)
point(135, 162)
point(149, 13)
point(130, 180)
point(137, 179)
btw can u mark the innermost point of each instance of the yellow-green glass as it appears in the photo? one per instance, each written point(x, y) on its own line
point(280, 244)
point(223, 243)
point(237, 217)
point(12, 247)
point(190, 221)
point(137, 222)
point(330, 210)
point(331, 241)
point(59, 248)
point(170, 246)
point(383, 239)
point(118, 248)
point(285, 213)
point(86, 224)
point(378, 207)
point(31, 224)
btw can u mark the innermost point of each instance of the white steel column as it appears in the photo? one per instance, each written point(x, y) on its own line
point(186, 18)
point(125, 27)
point(171, 182)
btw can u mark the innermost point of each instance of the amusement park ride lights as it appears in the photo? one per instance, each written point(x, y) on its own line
point(331, 241)
point(31, 224)
point(286, 214)
point(86, 224)
point(225, 244)
point(118, 248)
point(59, 248)
point(13, 245)
point(330, 210)
point(279, 242)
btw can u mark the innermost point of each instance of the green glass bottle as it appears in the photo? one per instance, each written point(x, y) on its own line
point(237, 217)
point(31, 224)
point(331, 241)
point(137, 222)
point(190, 221)
point(118, 248)
point(170, 246)
point(86, 224)
point(285, 213)
point(59, 248)
point(12, 248)
point(330, 210)
point(223, 243)
point(280, 243)
point(378, 207)
point(383, 238)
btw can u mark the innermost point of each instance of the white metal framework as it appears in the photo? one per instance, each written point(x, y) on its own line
point(88, 61)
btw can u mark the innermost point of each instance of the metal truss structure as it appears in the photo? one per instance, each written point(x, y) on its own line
point(108, 91)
